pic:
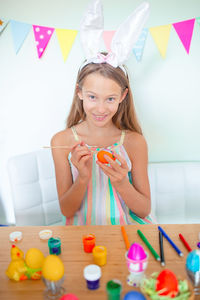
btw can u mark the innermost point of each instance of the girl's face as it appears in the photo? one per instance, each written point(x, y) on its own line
point(101, 97)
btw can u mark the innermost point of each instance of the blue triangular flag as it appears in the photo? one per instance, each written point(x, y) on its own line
point(19, 32)
point(3, 23)
point(139, 46)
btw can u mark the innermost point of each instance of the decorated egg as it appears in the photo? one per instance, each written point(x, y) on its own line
point(53, 268)
point(167, 282)
point(136, 252)
point(34, 258)
point(102, 159)
point(69, 297)
point(193, 261)
point(134, 295)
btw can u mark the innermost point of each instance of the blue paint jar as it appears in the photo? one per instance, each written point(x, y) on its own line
point(92, 274)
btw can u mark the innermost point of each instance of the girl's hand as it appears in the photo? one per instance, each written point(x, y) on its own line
point(115, 171)
point(82, 159)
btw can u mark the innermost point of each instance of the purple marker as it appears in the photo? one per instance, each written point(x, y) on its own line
point(92, 274)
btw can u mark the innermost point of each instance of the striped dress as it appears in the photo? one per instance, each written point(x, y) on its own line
point(102, 205)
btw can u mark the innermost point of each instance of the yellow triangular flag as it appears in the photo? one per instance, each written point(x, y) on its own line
point(66, 39)
point(160, 35)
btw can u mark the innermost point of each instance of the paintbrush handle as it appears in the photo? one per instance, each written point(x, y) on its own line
point(58, 147)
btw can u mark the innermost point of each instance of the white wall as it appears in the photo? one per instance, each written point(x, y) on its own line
point(35, 95)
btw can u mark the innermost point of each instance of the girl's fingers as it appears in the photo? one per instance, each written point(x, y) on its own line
point(80, 150)
point(76, 145)
point(81, 155)
point(113, 164)
point(109, 171)
point(121, 160)
point(85, 158)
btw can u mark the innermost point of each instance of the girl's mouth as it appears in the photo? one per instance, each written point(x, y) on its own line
point(99, 117)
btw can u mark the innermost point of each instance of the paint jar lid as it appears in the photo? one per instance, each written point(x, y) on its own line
point(15, 236)
point(114, 287)
point(45, 234)
point(92, 272)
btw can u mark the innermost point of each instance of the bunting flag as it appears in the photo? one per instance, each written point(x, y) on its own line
point(161, 35)
point(3, 24)
point(198, 20)
point(139, 46)
point(107, 37)
point(42, 36)
point(19, 32)
point(184, 30)
point(66, 39)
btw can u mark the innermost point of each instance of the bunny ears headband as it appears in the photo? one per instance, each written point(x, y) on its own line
point(125, 37)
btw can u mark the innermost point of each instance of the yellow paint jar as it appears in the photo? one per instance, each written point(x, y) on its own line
point(100, 255)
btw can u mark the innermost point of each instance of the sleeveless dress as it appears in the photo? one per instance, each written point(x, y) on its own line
point(102, 204)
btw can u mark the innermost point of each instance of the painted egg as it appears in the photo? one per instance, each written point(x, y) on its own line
point(193, 261)
point(53, 268)
point(134, 295)
point(167, 282)
point(34, 258)
point(136, 252)
point(101, 158)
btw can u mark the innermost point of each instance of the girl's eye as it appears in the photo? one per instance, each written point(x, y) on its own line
point(91, 97)
point(111, 99)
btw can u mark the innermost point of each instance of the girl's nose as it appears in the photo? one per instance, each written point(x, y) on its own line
point(101, 108)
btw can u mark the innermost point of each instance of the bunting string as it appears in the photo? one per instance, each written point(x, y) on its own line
point(66, 37)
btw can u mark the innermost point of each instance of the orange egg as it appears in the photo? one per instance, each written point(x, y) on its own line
point(101, 158)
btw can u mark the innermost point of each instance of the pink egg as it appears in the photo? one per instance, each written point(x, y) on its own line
point(69, 297)
point(136, 252)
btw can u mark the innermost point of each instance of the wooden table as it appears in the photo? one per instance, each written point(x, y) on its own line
point(75, 259)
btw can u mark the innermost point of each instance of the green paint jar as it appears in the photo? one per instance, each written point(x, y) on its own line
point(54, 245)
point(114, 288)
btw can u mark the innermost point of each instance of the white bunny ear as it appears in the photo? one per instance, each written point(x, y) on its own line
point(91, 29)
point(127, 34)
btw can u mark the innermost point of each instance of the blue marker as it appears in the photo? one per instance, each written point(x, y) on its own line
point(170, 241)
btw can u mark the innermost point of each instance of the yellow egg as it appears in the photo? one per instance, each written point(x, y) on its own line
point(34, 258)
point(53, 268)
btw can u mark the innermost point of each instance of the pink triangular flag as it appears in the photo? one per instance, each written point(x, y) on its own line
point(184, 30)
point(42, 37)
point(107, 37)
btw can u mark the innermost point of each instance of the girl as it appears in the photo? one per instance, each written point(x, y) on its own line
point(102, 116)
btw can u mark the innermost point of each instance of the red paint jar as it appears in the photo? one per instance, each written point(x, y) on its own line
point(88, 242)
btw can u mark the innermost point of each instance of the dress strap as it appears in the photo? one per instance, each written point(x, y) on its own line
point(75, 133)
point(122, 138)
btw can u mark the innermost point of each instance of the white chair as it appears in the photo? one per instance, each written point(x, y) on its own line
point(175, 191)
point(33, 188)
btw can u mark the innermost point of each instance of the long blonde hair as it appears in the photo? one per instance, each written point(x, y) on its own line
point(125, 117)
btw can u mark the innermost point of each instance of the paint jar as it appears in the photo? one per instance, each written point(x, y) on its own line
point(100, 255)
point(88, 243)
point(114, 288)
point(54, 245)
point(92, 274)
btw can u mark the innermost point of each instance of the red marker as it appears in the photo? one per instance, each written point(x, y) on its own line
point(185, 243)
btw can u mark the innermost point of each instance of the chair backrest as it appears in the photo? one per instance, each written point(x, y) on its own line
point(175, 191)
point(33, 187)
